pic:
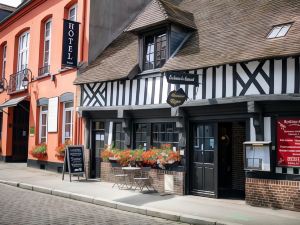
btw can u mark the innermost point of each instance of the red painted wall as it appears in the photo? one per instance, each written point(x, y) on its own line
point(31, 18)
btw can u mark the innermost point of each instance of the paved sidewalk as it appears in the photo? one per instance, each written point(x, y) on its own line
point(190, 209)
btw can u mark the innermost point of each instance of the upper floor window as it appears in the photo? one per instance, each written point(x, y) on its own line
point(23, 51)
point(279, 31)
point(73, 13)
point(47, 45)
point(155, 51)
point(67, 122)
point(4, 50)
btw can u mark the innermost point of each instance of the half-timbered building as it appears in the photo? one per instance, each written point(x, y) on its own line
point(245, 55)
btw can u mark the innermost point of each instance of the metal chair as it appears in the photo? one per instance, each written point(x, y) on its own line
point(120, 178)
point(143, 180)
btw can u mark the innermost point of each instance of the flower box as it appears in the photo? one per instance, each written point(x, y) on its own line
point(39, 151)
point(162, 158)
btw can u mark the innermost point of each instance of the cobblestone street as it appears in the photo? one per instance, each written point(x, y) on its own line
point(19, 206)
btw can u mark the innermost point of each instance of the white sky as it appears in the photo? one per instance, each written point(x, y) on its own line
point(11, 2)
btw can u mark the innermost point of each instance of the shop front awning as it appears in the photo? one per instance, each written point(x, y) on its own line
point(12, 102)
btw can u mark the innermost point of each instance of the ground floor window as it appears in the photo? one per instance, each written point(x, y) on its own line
point(155, 134)
point(118, 136)
point(43, 124)
point(67, 122)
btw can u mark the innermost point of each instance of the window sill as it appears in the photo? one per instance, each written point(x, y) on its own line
point(42, 76)
point(17, 91)
point(62, 70)
point(147, 72)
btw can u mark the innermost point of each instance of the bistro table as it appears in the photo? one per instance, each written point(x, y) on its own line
point(131, 171)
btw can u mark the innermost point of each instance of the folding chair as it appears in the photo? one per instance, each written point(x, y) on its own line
point(120, 178)
point(143, 180)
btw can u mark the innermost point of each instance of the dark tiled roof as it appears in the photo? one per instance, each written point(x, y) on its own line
point(161, 11)
point(234, 30)
point(117, 61)
point(228, 31)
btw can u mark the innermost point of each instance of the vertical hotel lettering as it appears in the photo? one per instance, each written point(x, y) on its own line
point(70, 43)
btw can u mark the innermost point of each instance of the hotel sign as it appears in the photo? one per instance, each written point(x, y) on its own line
point(176, 98)
point(175, 77)
point(70, 43)
point(288, 142)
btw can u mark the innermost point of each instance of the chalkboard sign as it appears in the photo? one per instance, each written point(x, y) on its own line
point(74, 161)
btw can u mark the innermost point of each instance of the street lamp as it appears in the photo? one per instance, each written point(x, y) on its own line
point(3, 85)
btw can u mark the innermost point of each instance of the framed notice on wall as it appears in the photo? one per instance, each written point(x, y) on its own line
point(288, 142)
point(52, 114)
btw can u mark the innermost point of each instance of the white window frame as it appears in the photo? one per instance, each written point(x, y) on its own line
point(47, 38)
point(43, 112)
point(23, 55)
point(279, 31)
point(69, 109)
point(4, 61)
point(69, 13)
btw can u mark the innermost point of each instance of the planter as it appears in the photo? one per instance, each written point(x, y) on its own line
point(112, 159)
point(139, 163)
point(60, 156)
point(40, 156)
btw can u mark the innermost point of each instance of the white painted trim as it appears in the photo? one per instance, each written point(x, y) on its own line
point(252, 131)
point(70, 109)
point(47, 39)
point(267, 128)
point(110, 131)
point(4, 60)
point(40, 124)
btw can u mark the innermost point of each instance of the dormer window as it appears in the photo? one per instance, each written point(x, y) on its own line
point(279, 31)
point(155, 50)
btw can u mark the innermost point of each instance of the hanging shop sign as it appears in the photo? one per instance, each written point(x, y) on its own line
point(288, 142)
point(70, 43)
point(175, 77)
point(74, 161)
point(176, 98)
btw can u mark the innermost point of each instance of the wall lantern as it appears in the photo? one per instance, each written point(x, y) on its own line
point(3, 85)
point(25, 80)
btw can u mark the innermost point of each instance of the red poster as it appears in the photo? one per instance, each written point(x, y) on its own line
point(288, 142)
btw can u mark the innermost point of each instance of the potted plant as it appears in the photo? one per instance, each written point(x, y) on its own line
point(39, 151)
point(138, 157)
point(126, 157)
point(150, 157)
point(107, 155)
point(60, 150)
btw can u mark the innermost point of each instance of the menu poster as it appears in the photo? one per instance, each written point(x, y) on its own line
point(288, 142)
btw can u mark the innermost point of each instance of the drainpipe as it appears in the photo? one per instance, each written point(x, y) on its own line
point(83, 29)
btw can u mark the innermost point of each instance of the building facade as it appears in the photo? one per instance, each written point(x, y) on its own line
point(38, 98)
point(33, 76)
point(233, 132)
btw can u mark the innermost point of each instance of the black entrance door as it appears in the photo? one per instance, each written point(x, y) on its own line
point(20, 132)
point(204, 159)
point(97, 146)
